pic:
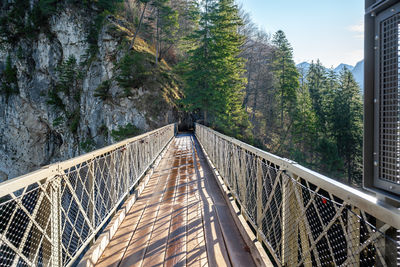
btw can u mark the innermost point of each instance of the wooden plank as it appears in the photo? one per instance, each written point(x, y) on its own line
point(257, 250)
point(216, 250)
point(155, 252)
point(117, 246)
point(179, 219)
point(137, 246)
point(176, 248)
point(196, 255)
point(239, 252)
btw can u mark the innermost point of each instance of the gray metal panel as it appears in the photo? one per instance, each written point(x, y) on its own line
point(387, 108)
point(378, 5)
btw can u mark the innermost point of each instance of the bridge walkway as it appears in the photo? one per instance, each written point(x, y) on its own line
point(180, 219)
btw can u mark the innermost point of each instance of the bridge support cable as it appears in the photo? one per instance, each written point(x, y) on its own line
point(303, 218)
point(48, 217)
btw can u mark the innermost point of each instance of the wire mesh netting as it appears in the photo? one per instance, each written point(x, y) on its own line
point(49, 222)
point(25, 226)
point(300, 223)
point(389, 115)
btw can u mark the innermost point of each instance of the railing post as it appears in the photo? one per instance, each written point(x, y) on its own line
point(91, 190)
point(112, 173)
point(259, 203)
point(55, 222)
point(305, 244)
point(289, 230)
point(242, 181)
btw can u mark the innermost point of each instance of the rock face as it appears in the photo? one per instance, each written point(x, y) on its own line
point(35, 132)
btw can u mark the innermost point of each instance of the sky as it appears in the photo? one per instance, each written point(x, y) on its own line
point(329, 30)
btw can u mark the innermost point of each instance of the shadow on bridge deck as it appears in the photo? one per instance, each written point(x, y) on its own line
point(180, 219)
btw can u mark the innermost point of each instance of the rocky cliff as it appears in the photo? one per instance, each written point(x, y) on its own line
point(63, 94)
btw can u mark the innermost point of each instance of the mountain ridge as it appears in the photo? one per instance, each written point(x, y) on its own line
point(357, 70)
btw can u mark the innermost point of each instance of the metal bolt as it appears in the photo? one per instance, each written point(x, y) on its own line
point(377, 37)
point(375, 47)
point(391, 187)
point(375, 163)
point(373, 14)
point(375, 100)
point(393, 10)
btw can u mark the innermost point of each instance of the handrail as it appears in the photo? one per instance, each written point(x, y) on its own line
point(43, 172)
point(48, 217)
point(301, 216)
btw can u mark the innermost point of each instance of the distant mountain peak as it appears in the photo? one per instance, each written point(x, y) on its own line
point(357, 70)
point(303, 64)
point(342, 66)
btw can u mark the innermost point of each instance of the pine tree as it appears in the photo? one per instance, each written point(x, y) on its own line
point(286, 72)
point(166, 27)
point(317, 82)
point(215, 81)
point(329, 159)
point(197, 73)
point(304, 128)
point(229, 66)
point(347, 124)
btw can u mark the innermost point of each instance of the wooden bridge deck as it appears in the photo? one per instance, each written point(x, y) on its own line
point(180, 219)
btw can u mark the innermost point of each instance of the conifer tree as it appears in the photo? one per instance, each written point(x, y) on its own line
point(347, 124)
point(215, 81)
point(317, 83)
point(166, 27)
point(304, 128)
point(197, 73)
point(286, 73)
point(324, 97)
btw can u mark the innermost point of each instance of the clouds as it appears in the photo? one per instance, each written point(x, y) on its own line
point(357, 30)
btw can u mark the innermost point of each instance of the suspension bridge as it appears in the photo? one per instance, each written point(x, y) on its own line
point(202, 199)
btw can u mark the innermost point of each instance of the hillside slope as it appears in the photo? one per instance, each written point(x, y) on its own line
point(69, 84)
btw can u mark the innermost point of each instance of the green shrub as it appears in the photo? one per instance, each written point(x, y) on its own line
point(102, 91)
point(106, 7)
point(103, 130)
point(109, 5)
point(16, 24)
point(132, 72)
point(88, 145)
point(54, 100)
point(125, 132)
point(41, 12)
point(20, 53)
point(70, 76)
point(58, 121)
point(9, 84)
point(47, 7)
point(73, 120)
point(93, 35)
point(70, 83)
point(22, 21)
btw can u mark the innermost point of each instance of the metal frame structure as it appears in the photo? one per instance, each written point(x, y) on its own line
point(381, 98)
point(303, 217)
point(48, 217)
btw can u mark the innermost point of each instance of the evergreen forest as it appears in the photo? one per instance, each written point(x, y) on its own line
point(231, 75)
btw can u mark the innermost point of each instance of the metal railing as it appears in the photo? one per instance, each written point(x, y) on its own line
point(302, 217)
point(48, 217)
